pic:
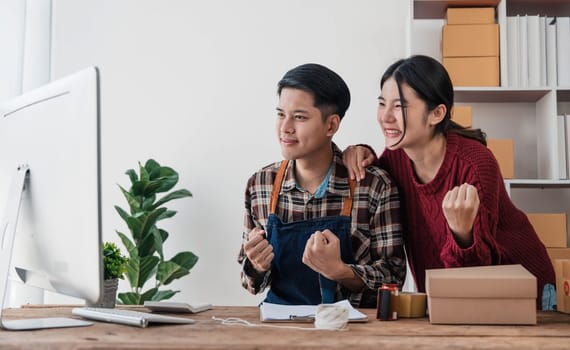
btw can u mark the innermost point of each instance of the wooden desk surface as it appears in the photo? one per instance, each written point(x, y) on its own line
point(552, 332)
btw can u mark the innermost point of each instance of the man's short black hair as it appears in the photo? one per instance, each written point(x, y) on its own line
point(329, 90)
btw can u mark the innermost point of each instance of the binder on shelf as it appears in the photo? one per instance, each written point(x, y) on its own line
point(513, 51)
point(523, 51)
point(562, 146)
point(542, 46)
point(551, 72)
point(563, 50)
point(567, 142)
point(533, 50)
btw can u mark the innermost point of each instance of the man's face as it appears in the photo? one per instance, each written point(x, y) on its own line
point(301, 131)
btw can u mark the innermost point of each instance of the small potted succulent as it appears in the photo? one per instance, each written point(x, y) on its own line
point(115, 266)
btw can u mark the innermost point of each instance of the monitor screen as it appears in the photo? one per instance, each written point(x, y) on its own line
point(53, 131)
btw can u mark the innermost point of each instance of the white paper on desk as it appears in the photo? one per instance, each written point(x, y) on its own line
point(269, 312)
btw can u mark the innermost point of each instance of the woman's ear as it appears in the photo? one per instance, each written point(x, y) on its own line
point(437, 114)
point(333, 123)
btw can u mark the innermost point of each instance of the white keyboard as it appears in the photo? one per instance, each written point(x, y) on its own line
point(128, 317)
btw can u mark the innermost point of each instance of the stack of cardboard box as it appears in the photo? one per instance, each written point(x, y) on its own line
point(502, 149)
point(470, 46)
point(504, 152)
point(562, 269)
point(551, 229)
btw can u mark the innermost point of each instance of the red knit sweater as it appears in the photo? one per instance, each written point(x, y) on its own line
point(502, 233)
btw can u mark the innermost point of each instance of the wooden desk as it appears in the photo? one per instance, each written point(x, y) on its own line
point(552, 332)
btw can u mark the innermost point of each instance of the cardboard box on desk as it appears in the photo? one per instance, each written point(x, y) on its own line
point(550, 228)
point(562, 269)
point(503, 294)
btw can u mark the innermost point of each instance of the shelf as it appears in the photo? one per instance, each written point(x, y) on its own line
point(542, 7)
point(499, 94)
point(435, 9)
point(563, 94)
point(536, 183)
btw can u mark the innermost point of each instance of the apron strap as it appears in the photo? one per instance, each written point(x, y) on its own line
point(347, 203)
point(347, 206)
point(277, 186)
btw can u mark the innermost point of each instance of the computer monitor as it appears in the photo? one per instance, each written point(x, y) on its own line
point(50, 171)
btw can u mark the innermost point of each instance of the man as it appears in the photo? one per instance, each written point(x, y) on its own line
point(310, 234)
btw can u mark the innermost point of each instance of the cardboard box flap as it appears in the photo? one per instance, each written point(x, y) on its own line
point(500, 281)
point(562, 269)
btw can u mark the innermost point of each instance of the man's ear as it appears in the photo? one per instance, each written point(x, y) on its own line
point(437, 114)
point(333, 123)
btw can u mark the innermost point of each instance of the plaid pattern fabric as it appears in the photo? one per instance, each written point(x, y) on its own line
point(376, 231)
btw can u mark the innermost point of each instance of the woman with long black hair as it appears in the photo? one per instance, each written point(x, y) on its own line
point(456, 208)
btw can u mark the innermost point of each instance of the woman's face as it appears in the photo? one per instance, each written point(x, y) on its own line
point(391, 118)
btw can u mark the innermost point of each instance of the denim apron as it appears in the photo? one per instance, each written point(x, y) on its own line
point(293, 282)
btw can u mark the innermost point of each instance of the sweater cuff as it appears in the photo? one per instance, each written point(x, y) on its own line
point(454, 255)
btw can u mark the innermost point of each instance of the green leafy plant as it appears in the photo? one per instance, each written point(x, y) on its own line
point(114, 262)
point(145, 245)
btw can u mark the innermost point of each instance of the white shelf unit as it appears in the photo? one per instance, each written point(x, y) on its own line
point(526, 115)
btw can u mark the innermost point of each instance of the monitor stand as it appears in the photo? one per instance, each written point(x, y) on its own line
point(7, 233)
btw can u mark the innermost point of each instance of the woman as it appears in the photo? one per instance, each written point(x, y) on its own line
point(457, 211)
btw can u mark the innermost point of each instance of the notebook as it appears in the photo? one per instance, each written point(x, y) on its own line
point(269, 312)
point(176, 307)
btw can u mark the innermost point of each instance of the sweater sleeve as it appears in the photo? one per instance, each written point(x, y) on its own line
point(484, 174)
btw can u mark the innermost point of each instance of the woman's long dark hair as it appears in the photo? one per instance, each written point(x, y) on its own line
point(430, 81)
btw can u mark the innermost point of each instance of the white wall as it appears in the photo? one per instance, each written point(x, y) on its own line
point(192, 84)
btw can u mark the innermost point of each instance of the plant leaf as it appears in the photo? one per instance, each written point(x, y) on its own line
point(132, 200)
point(148, 295)
point(143, 173)
point(133, 270)
point(130, 298)
point(147, 202)
point(157, 239)
point(152, 167)
point(164, 294)
point(148, 266)
point(168, 271)
point(122, 213)
point(147, 246)
point(167, 177)
point(132, 175)
point(177, 267)
point(185, 259)
point(171, 196)
point(150, 221)
point(131, 248)
point(136, 227)
point(167, 214)
point(163, 234)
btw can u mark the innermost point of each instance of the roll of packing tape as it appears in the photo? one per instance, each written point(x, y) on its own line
point(330, 316)
point(411, 304)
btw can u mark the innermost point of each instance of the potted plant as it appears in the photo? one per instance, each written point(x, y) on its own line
point(145, 244)
point(114, 267)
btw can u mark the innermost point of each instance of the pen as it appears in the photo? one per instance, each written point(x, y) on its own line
point(302, 318)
